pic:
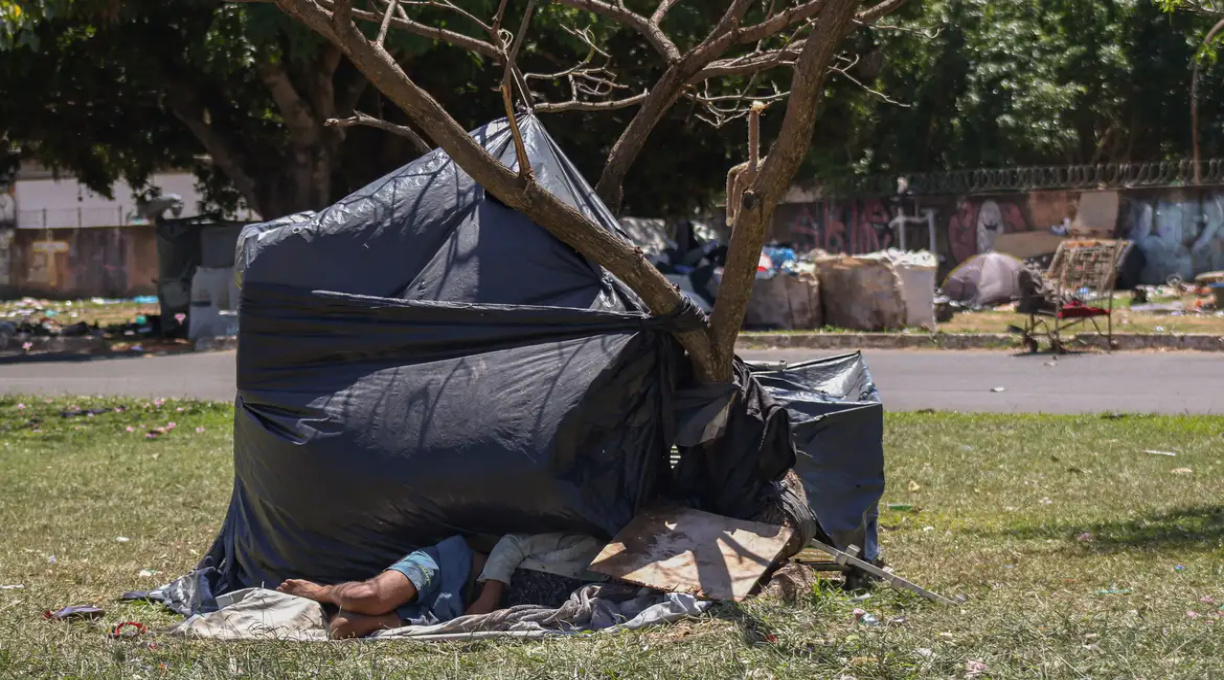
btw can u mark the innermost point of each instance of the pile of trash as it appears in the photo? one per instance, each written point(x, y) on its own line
point(30, 318)
point(692, 259)
point(885, 290)
point(1207, 291)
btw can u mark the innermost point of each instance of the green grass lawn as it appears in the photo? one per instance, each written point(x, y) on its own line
point(1081, 556)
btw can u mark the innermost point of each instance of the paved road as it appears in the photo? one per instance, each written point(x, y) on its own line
point(909, 380)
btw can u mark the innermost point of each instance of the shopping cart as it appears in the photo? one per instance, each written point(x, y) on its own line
point(1076, 290)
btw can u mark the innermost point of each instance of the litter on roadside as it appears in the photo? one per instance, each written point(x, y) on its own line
point(1160, 453)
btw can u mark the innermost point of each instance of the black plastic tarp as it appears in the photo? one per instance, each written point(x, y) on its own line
point(418, 360)
point(837, 425)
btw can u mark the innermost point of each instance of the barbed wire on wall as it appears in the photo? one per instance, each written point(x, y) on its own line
point(994, 180)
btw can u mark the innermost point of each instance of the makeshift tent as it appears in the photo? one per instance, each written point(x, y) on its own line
point(986, 279)
point(419, 360)
point(837, 424)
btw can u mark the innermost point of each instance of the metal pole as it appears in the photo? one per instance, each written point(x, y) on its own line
point(931, 228)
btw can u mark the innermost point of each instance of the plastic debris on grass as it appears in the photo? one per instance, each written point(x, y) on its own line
point(865, 617)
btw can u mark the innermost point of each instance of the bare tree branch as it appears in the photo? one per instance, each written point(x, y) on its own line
point(844, 71)
point(575, 105)
point(749, 63)
point(520, 150)
point(360, 119)
point(448, 5)
point(870, 14)
point(455, 38)
point(497, 18)
point(788, 17)
point(661, 11)
point(386, 22)
point(653, 34)
point(679, 75)
point(342, 11)
point(588, 83)
point(732, 17)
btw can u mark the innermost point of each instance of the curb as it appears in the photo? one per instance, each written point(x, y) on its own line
point(221, 343)
point(12, 348)
point(1201, 342)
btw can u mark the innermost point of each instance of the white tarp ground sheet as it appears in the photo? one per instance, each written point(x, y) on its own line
point(262, 614)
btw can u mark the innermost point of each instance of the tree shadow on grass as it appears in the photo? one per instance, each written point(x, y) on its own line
point(753, 629)
point(1197, 527)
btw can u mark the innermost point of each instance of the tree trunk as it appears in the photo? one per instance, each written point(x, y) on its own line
point(760, 198)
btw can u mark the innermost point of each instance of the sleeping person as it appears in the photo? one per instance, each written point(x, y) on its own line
point(449, 579)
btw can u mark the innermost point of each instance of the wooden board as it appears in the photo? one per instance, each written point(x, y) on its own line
point(689, 551)
point(1097, 215)
point(1025, 244)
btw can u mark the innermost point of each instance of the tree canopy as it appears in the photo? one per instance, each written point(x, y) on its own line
point(997, 84)
point(108, 90)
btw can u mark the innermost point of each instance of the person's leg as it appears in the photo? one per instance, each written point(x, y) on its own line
point(374, 597)
point(351, 625)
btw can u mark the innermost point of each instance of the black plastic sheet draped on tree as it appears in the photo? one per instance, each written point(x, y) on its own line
point(419, 360)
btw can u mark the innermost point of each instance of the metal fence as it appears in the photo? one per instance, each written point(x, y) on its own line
point(992, 180)
point(67, 218)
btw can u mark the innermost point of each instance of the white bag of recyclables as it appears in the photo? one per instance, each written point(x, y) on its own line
point(917, 271)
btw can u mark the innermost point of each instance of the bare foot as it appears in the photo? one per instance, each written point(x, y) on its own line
point(302, 588)
point(349, 625)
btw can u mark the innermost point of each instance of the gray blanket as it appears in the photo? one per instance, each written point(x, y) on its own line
point(258, 613)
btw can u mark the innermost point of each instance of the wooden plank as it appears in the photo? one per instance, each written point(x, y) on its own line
point(689, 551)
point(1026, 244)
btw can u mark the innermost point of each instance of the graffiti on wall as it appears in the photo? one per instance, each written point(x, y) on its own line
point(971, 225)
point(840, 226)
point(1178, 231)
point(1178, 235)
point(978, 222)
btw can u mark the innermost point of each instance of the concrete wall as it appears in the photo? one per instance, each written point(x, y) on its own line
point(47, 202)
point(1179, 231)
point(59, 239)
point(78, 263)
